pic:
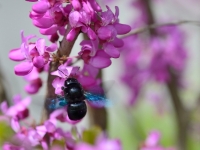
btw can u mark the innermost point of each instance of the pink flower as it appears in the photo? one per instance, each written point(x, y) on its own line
point(35, 55)
point(152, 142)
point(108, 31)
point(94, 56)
point(63, 72)
point(50, 16)
point(35, 82)
point(17, 112)
point(58, 84)
point(80, 21)
point(9, 146)
point(87, 76)
point(152, 60)
point(103, 143)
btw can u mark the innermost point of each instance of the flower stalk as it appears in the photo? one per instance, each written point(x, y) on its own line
point(64, 49)
point(182, 115)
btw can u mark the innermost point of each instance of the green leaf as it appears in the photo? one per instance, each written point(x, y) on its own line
point(6, 132)
point(90, 135)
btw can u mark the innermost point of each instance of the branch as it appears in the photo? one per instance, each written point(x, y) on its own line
point(3, 94)
point(64, 49)
point(153, 26)
point(182, 115)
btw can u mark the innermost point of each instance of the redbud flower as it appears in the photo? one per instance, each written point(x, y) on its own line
point(94, 56)
point(17, 112)
point(50, 16)
point(35, 82)
point(35, 55)
point(152, 142)
point(63, 72)
point(103, 143)
point(152, 60)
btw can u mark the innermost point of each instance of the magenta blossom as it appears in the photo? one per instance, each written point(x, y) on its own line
point(17, 112)
point(153, 60)
point(152, 142)
point(50, 16)
point(102, 143)
point(34, 82)
point(63, 72)
point(80, 21)
point(35, 55)
point(94, 56)
point(86, 16)
point(86, 76)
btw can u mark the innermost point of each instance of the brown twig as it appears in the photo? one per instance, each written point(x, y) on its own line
point(3, 95)
point(153, 26)
point(182, 115)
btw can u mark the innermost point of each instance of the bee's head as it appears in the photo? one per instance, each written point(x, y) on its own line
point(70, 81)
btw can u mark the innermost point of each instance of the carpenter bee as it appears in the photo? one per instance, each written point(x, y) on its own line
point(74, 99)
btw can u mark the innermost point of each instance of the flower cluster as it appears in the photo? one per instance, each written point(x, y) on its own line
point(87, 17)
point(52, 17)
point(153, 60)
point(102, 143)
point(28, 135)
point(34, 57)
point(86, 76)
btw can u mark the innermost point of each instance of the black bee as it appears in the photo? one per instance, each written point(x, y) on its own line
point(74, 98)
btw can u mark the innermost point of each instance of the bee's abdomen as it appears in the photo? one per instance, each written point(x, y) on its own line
point(77, 111)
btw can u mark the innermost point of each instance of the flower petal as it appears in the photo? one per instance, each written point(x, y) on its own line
point(44, 22)
point(49, 31)
point(57, 84)
point(52, 47)
point(33, 87)
point(100, 60)
point(38, 61)
point(15, 124)
point(122, 28)
point(91, 34)
point(107, 33)
point(40, 45)
point(16, 55)
point(74, 18)
point(40, 7)
point(112, 51)
point(23, 68)
point(76, 4)
point(118, 42)
point(72, 34)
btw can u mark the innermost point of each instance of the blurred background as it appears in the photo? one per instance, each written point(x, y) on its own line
point(153, 109)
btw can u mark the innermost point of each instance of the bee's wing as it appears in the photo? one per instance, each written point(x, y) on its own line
point(56, 103)
point(96, 100)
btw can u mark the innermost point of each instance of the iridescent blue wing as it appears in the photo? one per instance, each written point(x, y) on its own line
point(96, 100)
point(57, 103)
